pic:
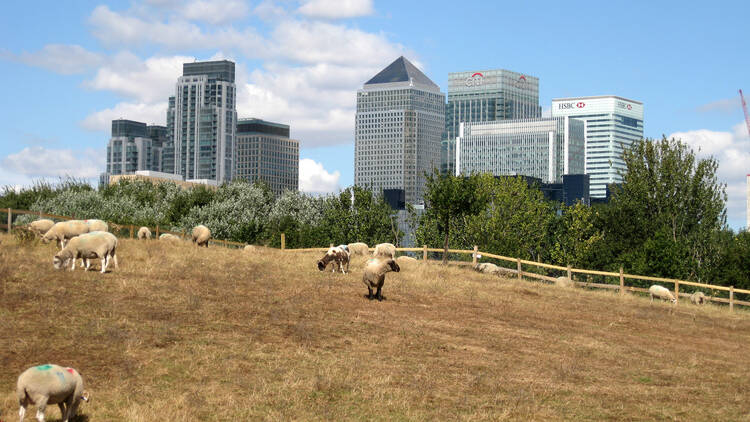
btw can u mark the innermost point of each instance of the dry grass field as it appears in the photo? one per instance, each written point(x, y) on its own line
point(180, 333)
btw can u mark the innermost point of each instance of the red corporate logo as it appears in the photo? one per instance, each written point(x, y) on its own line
point(581, 105)
point(477, 74)
point(630, 107)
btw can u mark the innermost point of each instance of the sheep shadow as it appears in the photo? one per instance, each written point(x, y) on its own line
point(366, 296)
point(77, 418)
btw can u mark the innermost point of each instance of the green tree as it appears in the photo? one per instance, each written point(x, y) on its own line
point(577, 236)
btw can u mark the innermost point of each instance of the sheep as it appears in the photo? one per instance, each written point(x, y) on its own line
point(358, 248)
point(374, 275)
point(144, 233)
point(406, 261)
point(169, 236)
point(40, 227)
point(201, 235)
point(50, 384)
point(337, 256)
point(385, 250)
point(698, 298)
point(102, 245)
point(487, 268)
point(250, 248)
point(64, 231)
point(564, 282)
point(661, 292)
point(97, 225)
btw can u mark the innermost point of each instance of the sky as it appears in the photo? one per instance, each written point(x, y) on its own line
point(72, 67)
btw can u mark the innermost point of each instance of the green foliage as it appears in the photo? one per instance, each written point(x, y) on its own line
point(577, 236)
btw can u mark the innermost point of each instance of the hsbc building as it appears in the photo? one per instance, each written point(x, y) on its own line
point(611, 124)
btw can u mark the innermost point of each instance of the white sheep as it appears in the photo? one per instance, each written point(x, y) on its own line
point(144, 233)
point(201, 235)
point(170, 237)
point(338, 257)
point(374, 275)
point(358, 248)
point(250, 248)
point(698, 298)
point(102, 245)
point(487, 268)
point(40, 227)
point(661, 292)
point(64, 231)
point(406, 261)
point(385, 250)
point(97, 225)
point(50, 384)
point(564, 282)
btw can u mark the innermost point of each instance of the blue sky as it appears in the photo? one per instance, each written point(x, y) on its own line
point(72, 67)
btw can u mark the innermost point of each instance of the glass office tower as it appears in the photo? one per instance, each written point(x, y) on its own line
point(265, 152)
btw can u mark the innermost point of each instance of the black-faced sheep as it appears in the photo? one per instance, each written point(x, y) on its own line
point(102, 245)
point(40, 227)
point(698, 298)
point(201, 235)
point(384, 250)
point(661, 292)
point(336, 256)
point(374, 275)
point(50, 384)
point(358, 248)
point(144, 233)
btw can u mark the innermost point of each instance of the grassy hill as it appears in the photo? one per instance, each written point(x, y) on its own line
point(182, 333)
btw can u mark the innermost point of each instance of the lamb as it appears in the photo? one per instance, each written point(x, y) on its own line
point(661, 292)
point(64, 231)
point(374, 275)
point(40, 227)
point(358, 248)
point(201, 235)
point(169, 236)
point(385, 250)
point(698, 298)
point(249, 248)
point(337, 256)
point(102, 245)
point(144, 233)
point(50, 384)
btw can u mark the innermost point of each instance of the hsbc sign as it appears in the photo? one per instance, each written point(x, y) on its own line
point(622, 104)
point(571, 105)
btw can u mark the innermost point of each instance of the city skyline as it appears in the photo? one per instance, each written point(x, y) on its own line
point(302, 62)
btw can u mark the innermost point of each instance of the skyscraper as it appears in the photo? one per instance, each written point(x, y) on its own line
point(265, 152)
point(612, 124)
point(399, 122)
point(204, 121)
point(486, 96)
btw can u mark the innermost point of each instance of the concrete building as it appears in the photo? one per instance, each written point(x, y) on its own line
point(399, 124)
point(265, 152)
point(544, 148)
point(612, 124)
point(133, 146)
point(486, 96)
point(204, 121)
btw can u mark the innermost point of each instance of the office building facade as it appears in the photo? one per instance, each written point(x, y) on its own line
point(544, 148)
point(130, 148)
point(612, 124)
point(204, 121)
point(399, 124)
point(265, 153)
point(486, 96)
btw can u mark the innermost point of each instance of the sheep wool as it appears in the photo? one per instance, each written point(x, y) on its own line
point(144, 233)
point(97, 225)
point(201, 235)
point(564, 282)
point(50, 384)
point(385, 250)
point(358, 248)
point(374, 275)
point(40, 227)
point(338, 257)
point(169, 236)
point(64, 231)
point(661, 292)
point(698, 298)
point(405, 261)
point(102, 245)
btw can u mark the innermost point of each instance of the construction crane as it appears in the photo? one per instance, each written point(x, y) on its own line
point(744, 108)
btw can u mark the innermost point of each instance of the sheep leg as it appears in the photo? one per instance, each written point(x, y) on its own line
point(379, 294)
point(41, 406)
point(88, 264)
point(22, 412)
point(113, 255)
point(61, 405)
point(104, 264)
point(369, 293)
point(73, 267)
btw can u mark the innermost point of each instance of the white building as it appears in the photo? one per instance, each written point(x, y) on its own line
point(545, 148)
point(612, 124)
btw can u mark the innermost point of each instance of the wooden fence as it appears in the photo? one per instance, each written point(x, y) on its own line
point(569, 272)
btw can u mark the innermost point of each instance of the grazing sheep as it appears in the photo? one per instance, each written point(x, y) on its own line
point(50, 384)
point(698, 298)
point(201, 235)
point(169, 236)
point(250, 248)
point(374, 275)
point(337, 256)
point(406, 261)
point(358, 248)
point(40, 227)
point(385, 250)
point(564, 282)
point(64, 231)
point(144, 233)
point(97, 225)
point(487, 268)
point(661, 292)
point(102, 245)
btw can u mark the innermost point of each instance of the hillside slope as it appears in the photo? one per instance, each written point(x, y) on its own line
point(182, 333)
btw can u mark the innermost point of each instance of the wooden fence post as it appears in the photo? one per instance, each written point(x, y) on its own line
point(283, 241)
point(570, 273)
point(731, 298)
point(474, 259)
point(520, 272)
point(424, 253)
point(157, 231)
point(10, 219)
point(676, 292)
point(131, 231)
point(622, 282)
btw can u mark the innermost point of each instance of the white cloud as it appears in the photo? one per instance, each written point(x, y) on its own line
point(215, 11)
point(59, 58)
point(336, 9)
point(726, 105)
point(314, 178)
point(732, 151)
point(38, 161)
point(148, 113)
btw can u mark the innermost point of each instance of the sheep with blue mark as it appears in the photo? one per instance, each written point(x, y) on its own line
point(50, 384)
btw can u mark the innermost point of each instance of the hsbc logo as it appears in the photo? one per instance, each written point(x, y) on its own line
point(571, 106)
point(580, 105)
point(623, 104)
